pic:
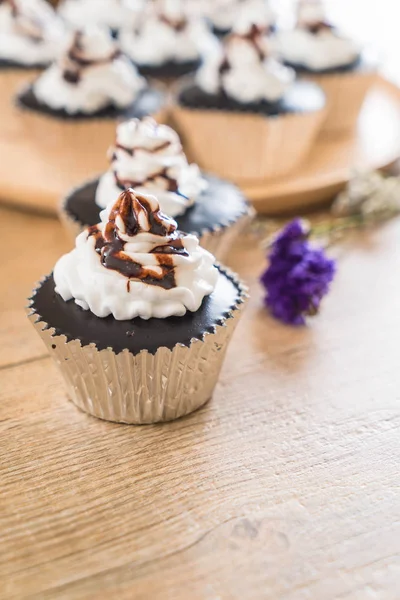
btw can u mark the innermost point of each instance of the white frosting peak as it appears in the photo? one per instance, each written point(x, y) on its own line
point(245, 70)
point(225, 14)
point(135, 264)
point(315, 43)
point(310, 12)
point(253, 13)
point(30, 32)
point(91, 75)
point(166, 32)
point(107, 13)
point(150, 158)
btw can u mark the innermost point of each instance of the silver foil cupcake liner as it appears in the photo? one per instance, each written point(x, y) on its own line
point(142, 388)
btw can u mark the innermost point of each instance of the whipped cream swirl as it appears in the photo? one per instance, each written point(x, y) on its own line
point(315, 43)
point(149, 157)
point(245, 70)
point(106, 13)
point(224, 14)
point(136, 264)
point(91, 75)
point(166, 32)
point(30, 32)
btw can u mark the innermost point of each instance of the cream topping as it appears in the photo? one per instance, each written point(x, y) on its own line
point(30, 32)
point(224, 14)
point(149, 158)
point(91, 75)
point(166, 31)
point(245, 69)
point(136, 264)
point(315, 43)
point(107, 13)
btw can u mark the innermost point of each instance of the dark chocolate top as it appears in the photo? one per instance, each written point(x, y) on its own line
point(364, 63)
point(302, 69)
point(68, 319)
point(303, 96)
point(219, 205)
point(169, 70)
point(7, 65)
point(148, 102)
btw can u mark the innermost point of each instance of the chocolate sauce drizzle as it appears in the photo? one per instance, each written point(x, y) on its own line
point(110, 246)
point(172, 184)
point(179, 25)
point(255, 36)
point(13, 5)
point(317, 27)
point(131, 151)
point(75, 63)
point(29, 26)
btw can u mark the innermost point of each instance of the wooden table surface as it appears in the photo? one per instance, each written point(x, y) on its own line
point(284, 487)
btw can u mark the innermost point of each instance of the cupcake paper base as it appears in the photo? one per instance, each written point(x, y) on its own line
point(10, 82)
point(247, 147)
point(72, 149)
point(345, 94)
point(142, 388)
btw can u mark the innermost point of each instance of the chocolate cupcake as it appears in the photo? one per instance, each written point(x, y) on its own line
point(71, 110)
point(318, 52)
point(266, 121)
point(137, 316)
point(30, 35)
point(149, 158)
point(113, 14)
point(167, 40)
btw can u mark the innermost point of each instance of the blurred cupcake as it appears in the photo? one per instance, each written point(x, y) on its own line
point(30, 34)
point(149, 158)
point(106, 13)
point(319, 52)
point(137, 316)
point(223, 14)
point(245, 117)
point(167, 40)
point(71, 110)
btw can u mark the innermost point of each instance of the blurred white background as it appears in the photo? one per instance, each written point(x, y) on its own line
point(372, 21)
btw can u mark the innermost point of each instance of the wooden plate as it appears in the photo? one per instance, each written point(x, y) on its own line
point(375, 144)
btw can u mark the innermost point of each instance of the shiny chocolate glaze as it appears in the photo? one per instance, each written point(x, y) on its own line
point(303, 96)
point(148, 102)
point(74, 63)
point(68, 319)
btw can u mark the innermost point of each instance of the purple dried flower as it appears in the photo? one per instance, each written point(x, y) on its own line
point(298, 275)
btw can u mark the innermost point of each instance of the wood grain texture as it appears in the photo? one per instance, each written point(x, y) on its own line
point(285, 486)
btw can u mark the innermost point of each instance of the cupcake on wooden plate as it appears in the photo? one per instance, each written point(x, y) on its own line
point(244, 117)
point(137, 316)
point(30, 36)
point(149, 158)
point(71, 110)
point(106, 13)
point(167, 40)
point(321, 53)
